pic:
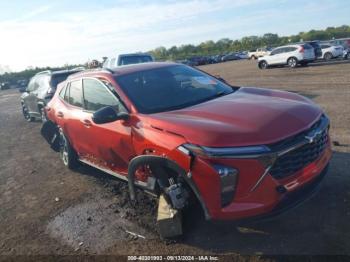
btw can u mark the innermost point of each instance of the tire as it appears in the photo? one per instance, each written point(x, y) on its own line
point(253, 57)
point(292, 62)
point(327, 56)
point(67, 154)
point(42, 115)
point(263, 65)
point(26, 114)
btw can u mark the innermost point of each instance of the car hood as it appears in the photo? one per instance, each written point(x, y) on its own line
point(249, 116)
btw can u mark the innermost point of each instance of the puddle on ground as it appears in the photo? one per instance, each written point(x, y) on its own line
point(95, 226)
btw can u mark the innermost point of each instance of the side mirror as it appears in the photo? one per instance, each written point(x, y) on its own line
point(108, 114)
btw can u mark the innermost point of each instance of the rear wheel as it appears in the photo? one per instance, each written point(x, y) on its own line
point(263, 65)
point(68, 155)
point(253, 57)
point(328, 56)
point(292, 62)
point(26, 114)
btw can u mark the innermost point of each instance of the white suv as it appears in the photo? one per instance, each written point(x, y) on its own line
point(290, 55)
point(331, 51)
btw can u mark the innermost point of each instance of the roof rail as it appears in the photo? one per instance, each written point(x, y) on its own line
point(44, 72)
point(77, 68)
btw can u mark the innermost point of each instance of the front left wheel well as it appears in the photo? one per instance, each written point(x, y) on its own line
point(166, 168)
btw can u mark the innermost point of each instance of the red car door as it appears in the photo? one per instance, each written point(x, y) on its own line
point(69, 116)
point(108, 145)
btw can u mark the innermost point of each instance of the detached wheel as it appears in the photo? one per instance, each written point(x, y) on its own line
point(292, 62)
point(68, 156)
point(26, 114)
point(328, 56)
point(263, 65)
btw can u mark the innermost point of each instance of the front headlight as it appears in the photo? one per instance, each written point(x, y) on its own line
point(237, 152)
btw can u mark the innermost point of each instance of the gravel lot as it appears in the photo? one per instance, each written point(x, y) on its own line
point(46, 209)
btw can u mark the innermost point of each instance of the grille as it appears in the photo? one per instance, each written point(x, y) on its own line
point(295, 160)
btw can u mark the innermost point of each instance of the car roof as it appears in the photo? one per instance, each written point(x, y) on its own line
point(59, 72)
point(123, 70)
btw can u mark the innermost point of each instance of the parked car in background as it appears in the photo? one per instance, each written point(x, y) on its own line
point(260, 52)
point(331, 51)
point(127, 59)
point(230, 57)
point(344, 42)
point(317, 48)
point(4, 85)
point(39, 92)
point(178, 132)
point(290, 55)
point(218, 58)
point(243, 55)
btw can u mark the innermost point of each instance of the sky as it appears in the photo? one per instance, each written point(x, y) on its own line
point(53, 33)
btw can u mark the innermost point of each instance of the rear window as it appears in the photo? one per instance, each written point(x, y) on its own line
point(58, 78)
point(137, 59)
point(307, 46)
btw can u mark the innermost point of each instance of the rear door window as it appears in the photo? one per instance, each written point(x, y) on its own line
point(75, 94)
point(63, 91)
point(277, 51)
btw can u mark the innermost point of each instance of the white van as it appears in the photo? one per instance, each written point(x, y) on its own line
point(127, 59)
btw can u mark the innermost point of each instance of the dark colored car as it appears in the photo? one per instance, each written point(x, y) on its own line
point(4, 85)
point(230, 57)
point(40, 90)
point(317, 48)
point(176, 131)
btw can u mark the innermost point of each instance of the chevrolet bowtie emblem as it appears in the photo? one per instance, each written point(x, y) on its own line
point(313, 136)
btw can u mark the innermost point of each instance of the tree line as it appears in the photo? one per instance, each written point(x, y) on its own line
point(227, 45)
point(210, 47)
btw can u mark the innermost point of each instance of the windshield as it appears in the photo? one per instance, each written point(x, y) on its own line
point(170, 88)
point(137, 59)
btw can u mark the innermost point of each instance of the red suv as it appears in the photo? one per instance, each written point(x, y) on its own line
point(174, 130)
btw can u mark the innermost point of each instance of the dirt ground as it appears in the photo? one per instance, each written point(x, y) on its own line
point(47, 209)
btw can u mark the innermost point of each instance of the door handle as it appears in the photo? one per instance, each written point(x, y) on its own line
point(60, 114)
point(87, 123)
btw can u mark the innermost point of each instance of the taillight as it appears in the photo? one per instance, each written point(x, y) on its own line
point(301, 49)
